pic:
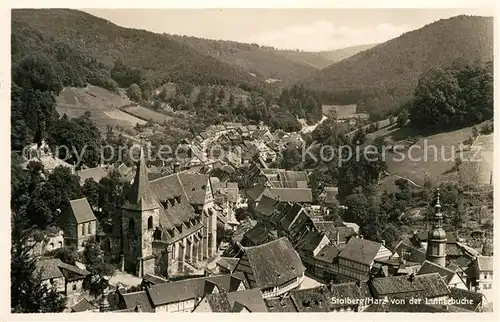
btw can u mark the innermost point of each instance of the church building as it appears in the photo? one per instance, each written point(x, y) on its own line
point(165, 225)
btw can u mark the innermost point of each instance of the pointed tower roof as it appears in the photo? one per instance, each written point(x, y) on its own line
point(141, 197)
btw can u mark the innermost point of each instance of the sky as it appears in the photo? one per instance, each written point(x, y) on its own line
point(303, 29)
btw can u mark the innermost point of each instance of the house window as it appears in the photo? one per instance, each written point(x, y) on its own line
point(74, 287)
point(51, 246)
point(83, 229)
point(89, 228)
point(485, 276)
point(60, 244)
point(150, 222)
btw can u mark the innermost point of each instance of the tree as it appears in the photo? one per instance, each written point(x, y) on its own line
point(91, 191)
point(453, 97)
point(134, 92)
point(402, 118)
point(93, 257)
point(78, 140)
point(28, 294)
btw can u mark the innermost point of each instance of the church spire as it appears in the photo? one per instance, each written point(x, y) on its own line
point(436, 241)
point(141, 197)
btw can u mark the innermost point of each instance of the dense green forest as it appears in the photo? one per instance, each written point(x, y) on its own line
point(261, 61)
point(383, 78)
point(93, 50)
point(453, 97)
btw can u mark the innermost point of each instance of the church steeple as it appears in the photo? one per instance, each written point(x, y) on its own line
point(436, 241)
point(140, 196)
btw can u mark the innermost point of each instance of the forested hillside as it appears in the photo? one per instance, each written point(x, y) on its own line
point(263, 62)
point(94, 50)
point(382, 78)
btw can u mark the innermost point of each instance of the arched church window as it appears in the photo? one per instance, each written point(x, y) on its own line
point(150, 222)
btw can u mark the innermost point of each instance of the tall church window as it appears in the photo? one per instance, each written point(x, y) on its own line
point(131, 225)
point(150, 222)
point(83, 229)
point(89, 228)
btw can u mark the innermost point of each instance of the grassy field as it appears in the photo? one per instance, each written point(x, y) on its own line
point(435, 155)
point(147, 114)
point(102, 104)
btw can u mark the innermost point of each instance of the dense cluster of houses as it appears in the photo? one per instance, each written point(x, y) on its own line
point(168, 226)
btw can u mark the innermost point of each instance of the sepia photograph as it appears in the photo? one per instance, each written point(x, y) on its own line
point(251, 160)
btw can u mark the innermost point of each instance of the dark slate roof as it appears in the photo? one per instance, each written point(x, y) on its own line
point(429, 267)
point(79, 211)
point(411, 253)
point(243, 228)
point(270, 264)
point(153, 279)
point(331, 231)
point(345, 291)
point(195, 185)
point(311, 300)
point(218, 302)
point(255, 193)
point(257, 235)
point(309, 242)
point(360, 250)
point(82, 306)
point(131, 300)
point(434, 285)
point(251, 299)
point(463, 261)
point(166, 188)
point(228, 263)
point(171, 292)
point(284, 304)
point(49, 268)
point(424, 286)
point(266, 205)
point(72, 272)
point(328, 253)
point(459, 294)
point(396, 285)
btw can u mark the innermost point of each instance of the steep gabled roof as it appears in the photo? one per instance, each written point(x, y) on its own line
point(429, 267)
point(360, 250)
point(484, 263)
point(270, 264)
point(79, 211)
point(251, 299)
point(171, 292)
point(132, 300)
